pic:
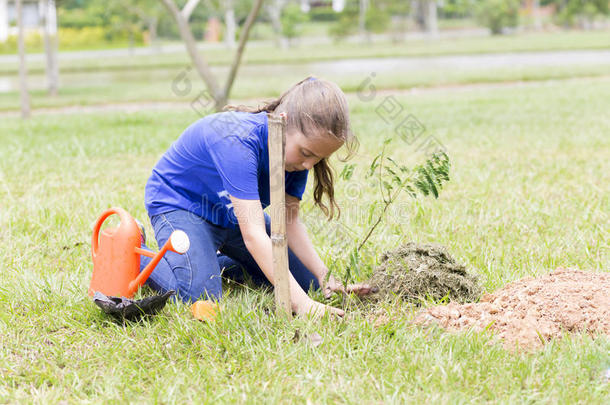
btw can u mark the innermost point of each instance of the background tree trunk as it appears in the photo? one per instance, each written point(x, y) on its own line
point(131, 44)
point(23, 75)
point(431, 18)
point(230, 25)
point(275, 15)
point(243, 39)
point(536, 13)
point(152, 24)
point(3, 18)
point(219, 95)
point(188, 9)
point(425, 15)
point(191, 46)
point(364, 6)
point(50, 48)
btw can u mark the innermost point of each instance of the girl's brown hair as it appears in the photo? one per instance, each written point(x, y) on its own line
point(315, 107)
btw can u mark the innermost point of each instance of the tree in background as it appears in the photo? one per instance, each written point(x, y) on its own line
point(139, 15)
point(400, 15)
point(23, 73)
point(231, 12)
point(347, 21)
point(374, 17)
point(580, 13)
point(286, 17)
point(363, 8)
point(291, 19)
point(50, 47)
point(426, 15)
point(366, 17)
point(90, 23)
point(274, 11)
point(377, 18)
point(82, 13)
point(125, 20)
point(531, 12)
point(281, 14)
point(147, 20)
point(457, 8)
point(498, 14)
point(230, 23)
point(181, 17)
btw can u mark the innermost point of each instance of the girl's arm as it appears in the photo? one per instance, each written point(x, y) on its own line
point(249, 214)
point(301, 246)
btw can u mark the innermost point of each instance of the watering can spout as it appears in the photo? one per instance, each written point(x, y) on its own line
point(178, 242)
point(116, 255)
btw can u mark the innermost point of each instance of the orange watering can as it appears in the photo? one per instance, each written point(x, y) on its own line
point(116, 255)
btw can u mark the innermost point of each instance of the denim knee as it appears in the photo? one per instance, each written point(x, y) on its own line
point(196, 273)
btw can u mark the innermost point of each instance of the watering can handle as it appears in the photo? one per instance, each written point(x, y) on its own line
point(98, 225)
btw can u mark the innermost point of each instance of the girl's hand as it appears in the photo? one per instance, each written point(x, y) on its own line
point(333, 285)
point(317, 309)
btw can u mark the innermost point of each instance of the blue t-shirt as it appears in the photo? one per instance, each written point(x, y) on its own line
point(219, 156)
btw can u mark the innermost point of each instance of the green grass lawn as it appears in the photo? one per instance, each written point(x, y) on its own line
point(149, 77)
point(528, 193)
point(267, 52)
point(158, 85)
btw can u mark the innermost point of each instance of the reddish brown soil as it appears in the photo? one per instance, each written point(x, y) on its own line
point(530, 312)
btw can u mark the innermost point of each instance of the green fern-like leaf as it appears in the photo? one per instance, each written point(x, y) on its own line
point(432, 181)
point(422, 186)
point(431, 176)
point(347, 172)
point(373, 166)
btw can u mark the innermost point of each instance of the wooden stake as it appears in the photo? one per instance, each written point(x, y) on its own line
point(279, 242)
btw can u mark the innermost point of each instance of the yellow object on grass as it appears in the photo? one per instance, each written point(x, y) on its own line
point(205, 310)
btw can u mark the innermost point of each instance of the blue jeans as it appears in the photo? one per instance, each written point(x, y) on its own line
point(197, 273)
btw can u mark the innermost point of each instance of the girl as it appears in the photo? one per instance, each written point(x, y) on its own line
point(213, 183)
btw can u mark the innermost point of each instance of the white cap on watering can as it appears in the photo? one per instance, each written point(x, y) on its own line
point(180, 241)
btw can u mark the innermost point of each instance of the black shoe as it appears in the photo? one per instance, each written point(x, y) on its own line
point(132, 310)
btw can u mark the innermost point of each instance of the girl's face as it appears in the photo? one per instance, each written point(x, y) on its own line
point(302, 152)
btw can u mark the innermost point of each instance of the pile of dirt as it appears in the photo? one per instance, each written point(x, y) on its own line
point(530, 312)
point(417, 271)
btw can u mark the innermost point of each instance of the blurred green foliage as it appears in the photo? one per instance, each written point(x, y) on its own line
point(75, 39)
point(292, 17)
point(347, 23)
point(456, 8)
point(378, 17)
point(580, 13)
point(497, 14)
point(323, 14)
point(135, 21)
